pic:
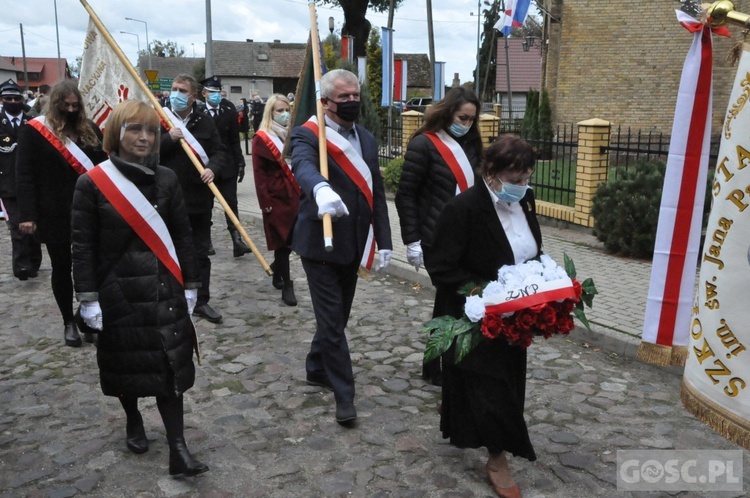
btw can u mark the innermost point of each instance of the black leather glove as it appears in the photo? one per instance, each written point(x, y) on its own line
point(240, 174)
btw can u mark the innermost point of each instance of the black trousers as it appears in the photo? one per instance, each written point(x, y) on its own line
point(332, 288)
point(201, 225)
point(228, 189)
point(62, 278)
point(27, 250)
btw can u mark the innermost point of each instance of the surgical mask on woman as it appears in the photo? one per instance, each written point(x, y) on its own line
point(214, 98)
point(511, 193)
point(179, 101)
point(283, 118)
point(458, 130)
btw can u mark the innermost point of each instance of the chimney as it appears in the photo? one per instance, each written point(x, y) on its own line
point(456, 81)
point(277, 41)
point(248, 40)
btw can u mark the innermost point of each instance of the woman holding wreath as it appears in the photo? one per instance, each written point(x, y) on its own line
point(490, 225)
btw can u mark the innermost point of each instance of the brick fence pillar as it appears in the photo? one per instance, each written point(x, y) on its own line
point(410, 121)
point(489, 128)
point(498, 110)
point(592, 162)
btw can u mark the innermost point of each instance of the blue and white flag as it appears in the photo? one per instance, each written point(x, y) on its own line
point(439, 83)
point(387, 92)
point(513, 17)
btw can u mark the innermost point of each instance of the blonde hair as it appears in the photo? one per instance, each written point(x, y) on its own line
point(129, 111)
point(266, 124)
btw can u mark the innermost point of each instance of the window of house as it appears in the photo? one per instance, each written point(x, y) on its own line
point(235, 89)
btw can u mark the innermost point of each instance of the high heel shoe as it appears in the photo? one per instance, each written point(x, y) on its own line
point(136, 438)
point(182, 462)
point(510, 492)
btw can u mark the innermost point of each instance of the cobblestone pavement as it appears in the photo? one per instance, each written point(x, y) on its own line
point(265, 433)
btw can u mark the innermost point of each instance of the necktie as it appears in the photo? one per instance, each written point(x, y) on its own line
point(214, 112)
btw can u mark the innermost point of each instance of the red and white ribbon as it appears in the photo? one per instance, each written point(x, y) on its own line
point(73, 154)
point(275, 145)
point(189, 138)
point(670, 295)
point(138, 212)
point(343, 153)
point(531, 296)
point(455, 157)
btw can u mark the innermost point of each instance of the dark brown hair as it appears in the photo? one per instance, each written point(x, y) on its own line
point(440, 115)
point(57, 117)
point(508, 153)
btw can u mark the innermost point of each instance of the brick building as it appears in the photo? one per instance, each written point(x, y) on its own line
point(621, 61)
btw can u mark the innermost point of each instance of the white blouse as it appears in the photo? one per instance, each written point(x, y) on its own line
point(516, 228)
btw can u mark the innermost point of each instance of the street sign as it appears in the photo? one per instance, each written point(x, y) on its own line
point(151, 75)
point(160, 84)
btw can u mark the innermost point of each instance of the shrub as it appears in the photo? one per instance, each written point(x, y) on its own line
point(392, 174)
point(626, 210)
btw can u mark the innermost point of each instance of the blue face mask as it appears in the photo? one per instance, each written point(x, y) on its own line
point(458, 130)
point(511, 193)
point(178, 101)
point(283, 118)
point(214, 98)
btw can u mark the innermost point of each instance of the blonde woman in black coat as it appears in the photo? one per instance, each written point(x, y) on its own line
point(138, 287)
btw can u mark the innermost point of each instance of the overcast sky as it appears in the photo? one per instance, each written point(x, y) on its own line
point(184, 22)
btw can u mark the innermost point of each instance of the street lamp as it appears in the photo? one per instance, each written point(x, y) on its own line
point(137, 39)
point(330, 24)
point(148, 47)
point(529, 42)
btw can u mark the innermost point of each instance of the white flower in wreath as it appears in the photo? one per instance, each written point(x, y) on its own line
point(474, 308)
point(493, 289)
point(533, 280)
point(508, 276)
point(531, 268)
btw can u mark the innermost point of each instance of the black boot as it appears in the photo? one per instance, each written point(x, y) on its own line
point(277, 280)
point(135, 440)
point(180, 459)
point(72, 337)
point(287, 294)
point(238, 244)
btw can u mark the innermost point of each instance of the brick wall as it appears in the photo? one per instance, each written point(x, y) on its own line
point(621, 61)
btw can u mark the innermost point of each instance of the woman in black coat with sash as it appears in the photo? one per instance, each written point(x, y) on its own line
point(490, 225)
point(138, 287)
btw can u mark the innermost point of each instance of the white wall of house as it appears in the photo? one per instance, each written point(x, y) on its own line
point(246, 87)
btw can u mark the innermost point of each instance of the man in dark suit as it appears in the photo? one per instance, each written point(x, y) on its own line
point(224, 115)
point(199, 200)
point(355, 196)
point(27, 251)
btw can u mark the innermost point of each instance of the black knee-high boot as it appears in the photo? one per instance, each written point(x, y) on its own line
point(136, 440)
point(281, 260)
point(180, 459)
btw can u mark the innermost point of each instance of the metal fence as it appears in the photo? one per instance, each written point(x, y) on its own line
point(390, 142)
point(554, 178)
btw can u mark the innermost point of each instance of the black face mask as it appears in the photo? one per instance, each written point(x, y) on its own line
point(72, 117)
point(13, 108)
point(347, 110)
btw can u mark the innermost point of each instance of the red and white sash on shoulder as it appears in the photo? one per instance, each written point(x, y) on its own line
point(275, 145)
point(189, 138)
point(73, 154)
point(138, 212)
point(343, 153)
point(455, 157)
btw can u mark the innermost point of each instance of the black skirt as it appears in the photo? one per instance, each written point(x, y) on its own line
point(483, 399)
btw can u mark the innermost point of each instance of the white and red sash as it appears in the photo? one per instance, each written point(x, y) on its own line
point(343, 153)
point(138, 212)
point(189, 138)
point(73, 154)
point(275, 145)
point(455, 157)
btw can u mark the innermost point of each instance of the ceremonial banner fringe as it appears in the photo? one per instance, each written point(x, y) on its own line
point(670, 292)
point(103, 81)
point(717, 370)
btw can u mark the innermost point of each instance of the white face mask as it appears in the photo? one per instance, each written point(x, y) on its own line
point(283, 118)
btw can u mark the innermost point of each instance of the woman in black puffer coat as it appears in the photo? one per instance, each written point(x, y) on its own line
point(140, 302)
point(428, 182)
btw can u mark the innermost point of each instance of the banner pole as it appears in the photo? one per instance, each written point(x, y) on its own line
point(157, 107)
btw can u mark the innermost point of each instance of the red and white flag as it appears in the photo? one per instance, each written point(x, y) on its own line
point(104, 82)
point(666, 326)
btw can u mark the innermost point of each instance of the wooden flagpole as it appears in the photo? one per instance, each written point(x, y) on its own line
point(322, 147)
point(157, 107)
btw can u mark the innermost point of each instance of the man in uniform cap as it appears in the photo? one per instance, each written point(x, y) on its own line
point(27, 251)
point(224, 115)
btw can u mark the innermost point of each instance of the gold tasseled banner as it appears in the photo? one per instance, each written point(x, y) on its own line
point(679, 356)
point(719, 419)
point(655, 353)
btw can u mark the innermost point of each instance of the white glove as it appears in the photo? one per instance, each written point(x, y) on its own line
point(329, 202)
point(191, 295)
point(414, 254)
point(91, 313)
point(385, 258)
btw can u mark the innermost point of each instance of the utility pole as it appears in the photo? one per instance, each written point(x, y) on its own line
point(23, 54)
point(209, 42)
point(431, 41)
point(57, 33)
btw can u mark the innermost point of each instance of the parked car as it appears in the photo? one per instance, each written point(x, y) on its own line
point(399, 105)
point(417, 104)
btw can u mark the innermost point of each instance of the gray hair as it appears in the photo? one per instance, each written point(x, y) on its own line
point(327, 82)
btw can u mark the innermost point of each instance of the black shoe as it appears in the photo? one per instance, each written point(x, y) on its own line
point(211, 250)
point(239, 247)
point(136, 439)
point(22, 274)
point(287, 294)
point(346, 414)
point(206, 312)
point(182, 462)
point(72, 338)
point(319, 380)
point(33, 273)
point(91, 338)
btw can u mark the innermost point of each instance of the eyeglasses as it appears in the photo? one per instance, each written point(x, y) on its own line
point(522, 182)
point(12, 98)
point(139, 128)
